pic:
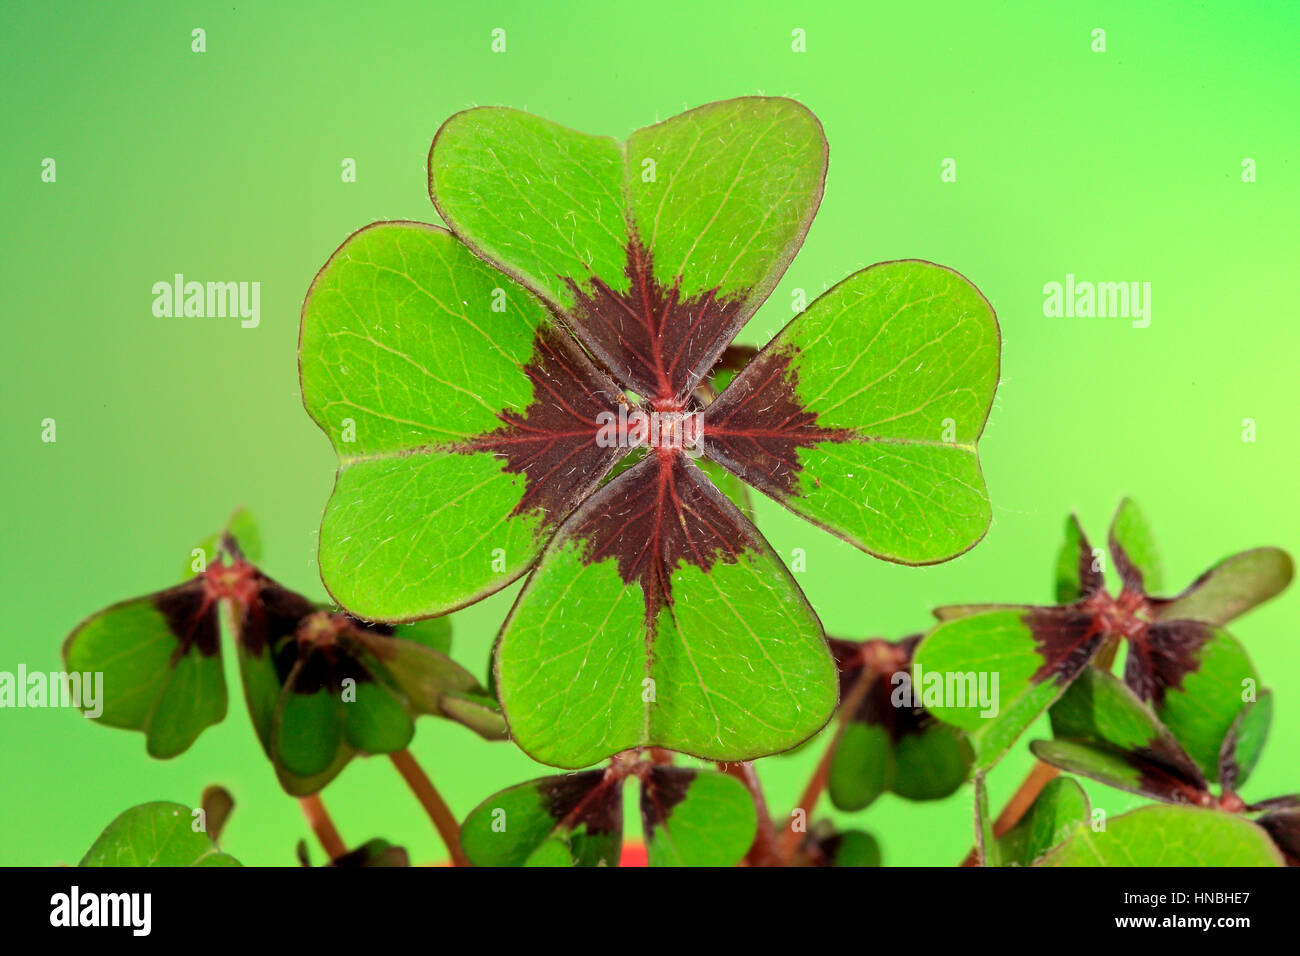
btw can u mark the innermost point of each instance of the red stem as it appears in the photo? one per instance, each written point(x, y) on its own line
point(443, 819)
point(791, 838)
point(318, 819)
point(764, 850)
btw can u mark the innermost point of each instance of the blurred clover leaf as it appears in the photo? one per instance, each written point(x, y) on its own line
point(886, 741)
point(689, 818)
point(158, 834)
point(373, 853)
point(1102, 730)
point(1055, 816)
point(321, 686)
point(827, 845)
point(1168, 836)
point(480, 384)
point(1180, 660)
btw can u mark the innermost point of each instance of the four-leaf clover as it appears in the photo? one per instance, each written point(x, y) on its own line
point(480, 384)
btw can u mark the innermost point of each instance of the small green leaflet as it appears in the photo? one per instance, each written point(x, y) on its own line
point(689, 817)
point(155, 834)
point(888, 742)
point(1105, 732)
point(1058, 813)
point(1245, 741)
point(695, 818)
point(990, 643)
point(827, 845)
point(242, 528)
point(321, 686)
point(1169, 836)
point(1195, 675)
point(161, 660)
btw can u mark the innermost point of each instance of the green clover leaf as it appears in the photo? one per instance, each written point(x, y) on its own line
point(482, 385)
point(689, 818)
point(321, 686)
point(156, 834)
point(1195, 675)
point(1169, 836)
point(886, 741)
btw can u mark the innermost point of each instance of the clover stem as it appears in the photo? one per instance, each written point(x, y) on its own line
point(763, 852)
point(791, 837)
point(318, 818)
point(1042, 773)
point(433, 804)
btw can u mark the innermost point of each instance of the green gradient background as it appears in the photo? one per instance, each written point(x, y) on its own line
point(225, 166)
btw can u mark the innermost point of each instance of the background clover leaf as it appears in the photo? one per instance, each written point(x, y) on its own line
point(1104, 731)
point(161, 660)
point(321, 686)
point(567, 820)
point(887, 741)
point(1196, 676)
point(1169, 836)
point(155, 834)
point(1059, 812)
point(827, 845)
point(689, 817)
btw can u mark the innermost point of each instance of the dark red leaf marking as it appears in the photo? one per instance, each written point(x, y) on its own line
point(886, 659)
point(1167, 773)
point(1284, 830)
point(330, 649)
point(1229, 768)
point(654, 342)
point(1090, 577)
point(273, 614)
point(1067, 639)
point(191, 614)
point(658, 513)
point(593, 798)
point(663, 788)
point(373, 853)
point(1290, 802)
point(757, 425)
point(1161, 655)
point(553, 442)
point(1128, 571)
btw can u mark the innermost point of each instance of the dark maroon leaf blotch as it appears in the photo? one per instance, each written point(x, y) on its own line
point(593, 798)
point(192, 616)
point(1067, 640)
point(1161, 655)
point(1091, 579)
point(660, 512)
point(651, 339)
point(757, 425)
point(553, 442)
point(662, 788)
